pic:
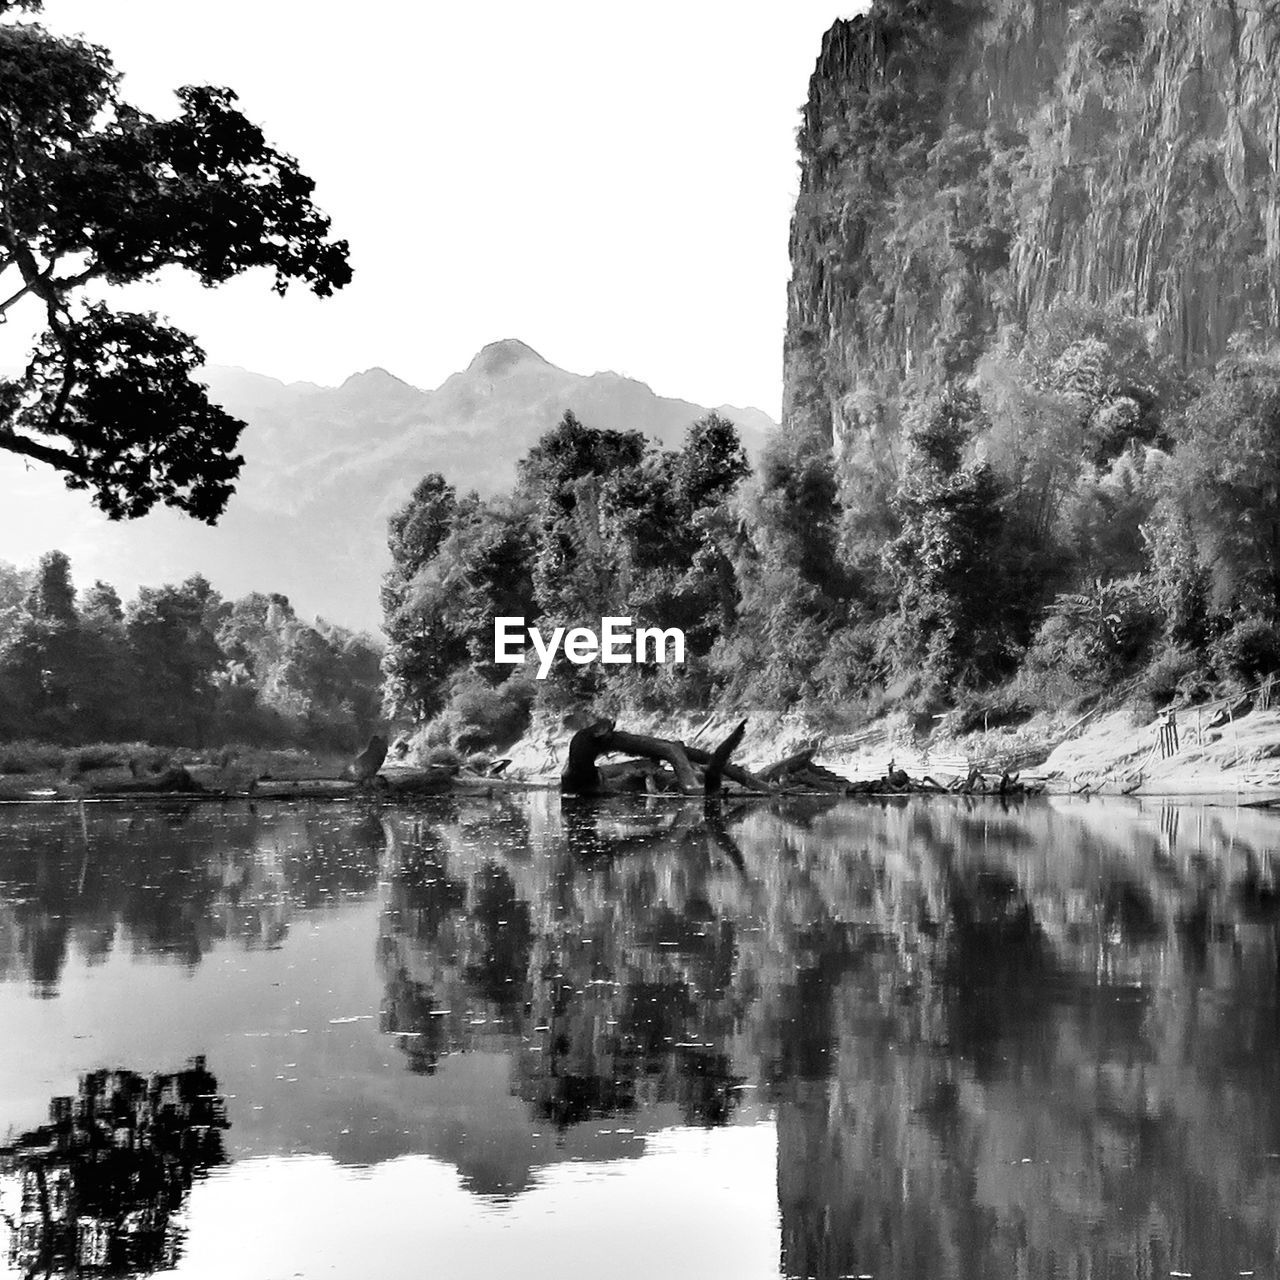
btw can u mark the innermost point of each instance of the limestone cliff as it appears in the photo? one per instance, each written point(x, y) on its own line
point(966, 165)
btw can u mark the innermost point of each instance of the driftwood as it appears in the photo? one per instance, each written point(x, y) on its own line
point(666, 765)
point(714, 772)
point(369, 761)
point(583, 776)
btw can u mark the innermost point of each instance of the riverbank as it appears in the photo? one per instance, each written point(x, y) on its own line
point(1223, 748)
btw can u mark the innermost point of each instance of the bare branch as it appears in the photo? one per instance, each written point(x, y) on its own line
point(28, 448)
point(31, 286)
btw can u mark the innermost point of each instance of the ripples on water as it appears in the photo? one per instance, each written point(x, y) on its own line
point(928, 1038)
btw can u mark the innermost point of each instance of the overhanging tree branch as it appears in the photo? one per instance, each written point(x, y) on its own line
point(115, 194)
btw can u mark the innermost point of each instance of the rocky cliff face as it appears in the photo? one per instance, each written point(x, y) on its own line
point(967, 165)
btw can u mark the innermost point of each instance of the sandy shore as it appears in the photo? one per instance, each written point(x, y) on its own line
point(1109, 753)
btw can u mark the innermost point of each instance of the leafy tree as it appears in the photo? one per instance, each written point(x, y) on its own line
point(1225, 483)
point(564, 474)
point(671, 534)
point(415, 532)
point(173, 647)
point(52, 598)
point(106, 680)
point(94, 193)
point(424, 647)
point(440, 610)
point(286, 680)
point(946, 560)
point(102, 604)
point(39, 660)
point(794, 590)
point(1113, 618)
point(13, 590)
point(712, 463)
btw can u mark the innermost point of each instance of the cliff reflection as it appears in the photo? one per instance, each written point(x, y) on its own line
point(996, 1040)
point(98, 1188)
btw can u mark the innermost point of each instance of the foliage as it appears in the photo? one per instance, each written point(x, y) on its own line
point(469, 562)
point(946, 559)
point(478, 715)
point(1225, 483)
point(97, 194)
point(179, 666)
point(793, 588)
point(1171, 673)
point(600, 523)
point(1247, 653)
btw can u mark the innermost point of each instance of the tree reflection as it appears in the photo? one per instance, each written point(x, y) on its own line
point(604, 964)
point(995, 1039)
point(97, 1189)
point(172, 882)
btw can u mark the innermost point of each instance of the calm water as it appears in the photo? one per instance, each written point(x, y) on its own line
point(931, 1038)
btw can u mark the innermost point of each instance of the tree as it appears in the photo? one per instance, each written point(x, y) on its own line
point(794, 591)
point(946, 560)
point(172, 635)
point(423, 647)
point(575, 574)
point(440, 607)
point(415, 532)
point(94, 193)
point(106, 681)
point(1225, 483)
point(40, 659)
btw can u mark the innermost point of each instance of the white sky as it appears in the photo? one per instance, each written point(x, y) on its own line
point(612, 184)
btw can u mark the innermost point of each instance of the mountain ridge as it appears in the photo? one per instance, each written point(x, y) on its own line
point(326, 465)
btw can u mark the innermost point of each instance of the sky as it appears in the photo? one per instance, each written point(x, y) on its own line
point(610, 183)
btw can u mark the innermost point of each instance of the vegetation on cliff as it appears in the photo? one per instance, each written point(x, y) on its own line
point(1031, 332)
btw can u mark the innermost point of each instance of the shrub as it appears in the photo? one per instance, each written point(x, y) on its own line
point(1173, 673)
point(1248, 652)
point(1110, 624)
point(479, 716)
point(994, 709)
point(101, 755)
point(29, 757)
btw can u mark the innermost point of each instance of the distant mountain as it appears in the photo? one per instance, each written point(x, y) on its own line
point(325, 467)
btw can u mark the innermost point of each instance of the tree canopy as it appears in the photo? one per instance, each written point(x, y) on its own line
point(95, 193)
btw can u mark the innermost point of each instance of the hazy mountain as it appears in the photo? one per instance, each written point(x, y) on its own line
point(325, 466)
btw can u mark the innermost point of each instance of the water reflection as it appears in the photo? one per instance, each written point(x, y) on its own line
point(97, 1188)
point(1032, 1040)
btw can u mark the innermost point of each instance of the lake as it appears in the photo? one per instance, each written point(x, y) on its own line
point(931, 1037)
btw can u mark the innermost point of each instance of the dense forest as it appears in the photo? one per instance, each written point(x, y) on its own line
point(178, 665)
point(1031, 438)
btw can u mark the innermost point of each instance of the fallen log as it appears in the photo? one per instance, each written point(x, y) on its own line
point(789, 764)
point(583, 776)
point(670, 752)
point(734, 773)
point(431, 780)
